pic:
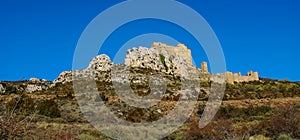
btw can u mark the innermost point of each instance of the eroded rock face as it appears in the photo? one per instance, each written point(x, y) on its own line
point(34, 80)
point(64, 77)
point(160, 60)
point(143, 57)
point(100, 63)
point(33, 88)
point(97, 66)
point(179, 50)
point(2, 89)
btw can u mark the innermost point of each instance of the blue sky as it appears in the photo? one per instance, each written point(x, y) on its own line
point(38, 38)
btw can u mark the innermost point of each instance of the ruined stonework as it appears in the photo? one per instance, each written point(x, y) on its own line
point(180, 50)
point(204, 67)
point(160, 60)
point(237, 77)
point(171, 60)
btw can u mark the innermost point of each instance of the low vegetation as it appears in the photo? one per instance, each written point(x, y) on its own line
point(266, 109)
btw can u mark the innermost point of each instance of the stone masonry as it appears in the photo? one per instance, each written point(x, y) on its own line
point(237, 77)
point(172, 60)
point(180, 50)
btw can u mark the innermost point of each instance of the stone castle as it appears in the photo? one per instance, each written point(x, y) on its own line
point(171, 60)
point(182, 51)
point(237, 77)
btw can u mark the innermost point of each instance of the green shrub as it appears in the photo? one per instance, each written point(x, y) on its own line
point(163, 61)
point(22, 103)
point(285, 121)
point(284, 137)
point(10, 90)
point(250, 113)
point(49, 108)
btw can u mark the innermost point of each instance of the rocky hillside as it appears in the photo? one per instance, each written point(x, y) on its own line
point(45, 109)
point(143, 58)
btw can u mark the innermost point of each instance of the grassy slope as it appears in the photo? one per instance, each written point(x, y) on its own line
point(268, 108)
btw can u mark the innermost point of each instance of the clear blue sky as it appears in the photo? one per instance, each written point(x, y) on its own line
point(38, 37)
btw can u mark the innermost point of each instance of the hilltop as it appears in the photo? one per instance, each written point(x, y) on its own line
point(252, 107)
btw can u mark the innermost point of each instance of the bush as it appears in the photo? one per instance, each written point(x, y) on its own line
point(285, 121)
point(22, 103)
point(215, 130)
point(163, 61)
point(49, 108)
point(16, 117)
point(250, 113)
point(284, 137)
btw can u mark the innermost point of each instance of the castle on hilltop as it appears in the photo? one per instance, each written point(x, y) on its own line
point(237, 77)
point(180, 50)
point(183, 51)
point(170, 60)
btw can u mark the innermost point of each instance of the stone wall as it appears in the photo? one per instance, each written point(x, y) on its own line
point(237, 77)
point(180, 50)
point(160, 60)
point(171, 60)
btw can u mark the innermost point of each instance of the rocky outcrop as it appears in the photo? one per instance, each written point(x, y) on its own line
point(143, 57)
point(33, 88)
point(2, 89)
point(159, 60)
point(64, 77)
point(179, 50)
point(100, 63)
point(96, 69)
point(34, 80)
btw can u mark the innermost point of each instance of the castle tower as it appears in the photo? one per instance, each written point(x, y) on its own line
point(204, 67)
point(250, 74)
point(255, 76)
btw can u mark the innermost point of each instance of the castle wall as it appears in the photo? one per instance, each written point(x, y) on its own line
point(237, 77)
point(229, 77)
point(180, 50)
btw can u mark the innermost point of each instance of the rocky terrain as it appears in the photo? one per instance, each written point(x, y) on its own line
point(38, 109)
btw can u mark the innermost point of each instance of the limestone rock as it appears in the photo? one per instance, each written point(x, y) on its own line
point(2, 89)
point(100, 63)
point(160, 60)
point(33, 88)
point(143, 57)
point(179, 50)
point(34, 80)
point(44, 80)
point(64, 77)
